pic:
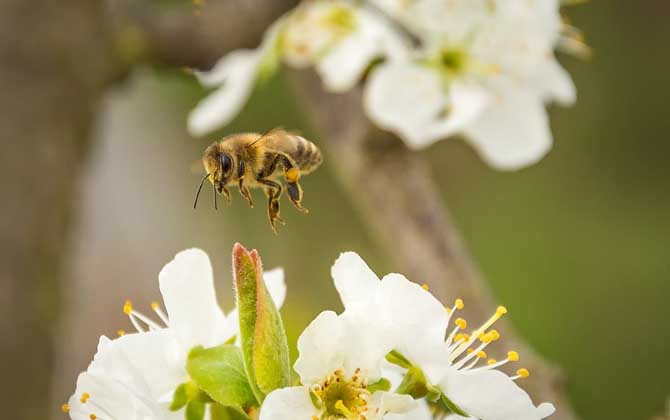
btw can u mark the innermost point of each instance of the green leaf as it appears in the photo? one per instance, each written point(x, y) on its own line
point(221, 412)
point(264, 344)
point(414, 383)
point(179, 398)
point(195, 410)
point(219, 372)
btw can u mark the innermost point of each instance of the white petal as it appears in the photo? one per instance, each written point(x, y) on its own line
point(157, 358)
point(388, 402)
point(555, 83)
point(288, 404)
point(187, 286)
point(319, 348)
point(492, 395)
point(354, 280)
point(513, 132)
point(343, 66)
point(404, 98)
point(237, 72)
point(274, 281)
point(421, 411)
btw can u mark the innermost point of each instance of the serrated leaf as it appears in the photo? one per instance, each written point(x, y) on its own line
point(195, 410)
point(220, 412)
point(264, 343)
point(219, 372)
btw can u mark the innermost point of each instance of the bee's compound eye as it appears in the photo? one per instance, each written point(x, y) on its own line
point(226, 163)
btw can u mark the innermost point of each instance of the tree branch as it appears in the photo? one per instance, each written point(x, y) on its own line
point(394, 191)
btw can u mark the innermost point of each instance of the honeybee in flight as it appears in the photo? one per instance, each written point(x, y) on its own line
point(251, 160)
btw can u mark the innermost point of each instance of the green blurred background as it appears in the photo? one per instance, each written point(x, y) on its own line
point(576, 246)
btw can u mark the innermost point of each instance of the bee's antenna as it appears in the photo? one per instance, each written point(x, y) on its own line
point(216, 207)
point(195, 203)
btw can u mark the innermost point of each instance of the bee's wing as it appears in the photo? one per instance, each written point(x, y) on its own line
point(273, 133)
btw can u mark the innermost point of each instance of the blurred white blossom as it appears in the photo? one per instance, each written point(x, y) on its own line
point(485, 69)
point(338, 37)
point(134, 376)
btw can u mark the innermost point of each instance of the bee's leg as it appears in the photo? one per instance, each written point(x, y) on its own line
point(273, 191)
point(226, 194)
point(245, 193)
point(292, 175)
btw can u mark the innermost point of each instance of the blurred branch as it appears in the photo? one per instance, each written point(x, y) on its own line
point(395, 192)
point(190, 36)
point(55, 61)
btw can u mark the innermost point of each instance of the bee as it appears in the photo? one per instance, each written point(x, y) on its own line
point(251, 160)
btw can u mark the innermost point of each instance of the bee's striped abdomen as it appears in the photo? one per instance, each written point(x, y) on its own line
point(306, 155)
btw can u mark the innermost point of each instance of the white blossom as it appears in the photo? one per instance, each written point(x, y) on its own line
point(339, 358)
point(338, 37)
point(135, 375)
point(485, 69)
point(419, 324)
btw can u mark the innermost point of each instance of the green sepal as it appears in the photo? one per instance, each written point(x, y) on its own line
point(179, 398)
point(398, 359)
point(264, 344)
point(381, 385)
point(414, 383)
point(316, 400)
point(452, 406)
point(222, 412)
point(219, 372)
point(195, 410)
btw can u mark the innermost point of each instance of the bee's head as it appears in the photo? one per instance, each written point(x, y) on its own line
point(219, 165)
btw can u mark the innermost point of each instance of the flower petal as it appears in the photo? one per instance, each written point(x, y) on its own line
point(237, 72)
point(319, 348)
point(187, 286)
point(388, 402)
point(555, 83)
point(274, 281)
point(343, 66)
point(288, 404)
point(404, 97)
point(513, 132)
point(492, 395)
point(421, 411)
point(354, 281)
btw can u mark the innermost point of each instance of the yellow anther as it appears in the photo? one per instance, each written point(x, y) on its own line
point(92, 416)
point(485, 338)
point(481, 354)
point(470, 350)
point(494, 334)
point(459, 304)
point(315, 418)
point(459, 336)
point(65, 408)
point(155, 305)
point(128, 307)
point(513, 356)
point(425, 287)
point(491, 362)
point(501, 311)
point(523, 373)
point(448, 309)
point(462, 324)
point(84, 397)
point(120, 333)
point(339, 405)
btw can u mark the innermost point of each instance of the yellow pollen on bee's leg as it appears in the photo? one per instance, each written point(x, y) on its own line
point(65, 408)
point(292, 175)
